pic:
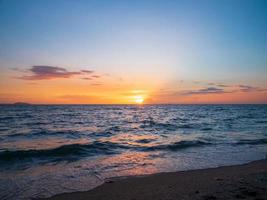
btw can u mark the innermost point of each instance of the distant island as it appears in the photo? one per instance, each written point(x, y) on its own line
point(22, 104)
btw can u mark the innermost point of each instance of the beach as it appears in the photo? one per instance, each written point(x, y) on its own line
point(247, 181)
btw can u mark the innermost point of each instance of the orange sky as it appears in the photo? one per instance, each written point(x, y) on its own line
point(68, 87)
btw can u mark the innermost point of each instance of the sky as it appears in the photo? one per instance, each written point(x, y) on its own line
point(128, 52)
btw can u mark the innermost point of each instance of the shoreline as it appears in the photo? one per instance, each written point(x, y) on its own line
point(245, 181)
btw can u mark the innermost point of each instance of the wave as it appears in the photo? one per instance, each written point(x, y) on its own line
point(144, 141)
point(185, 126)
point(261, 122)
point(255, 142)
point(114, 128)
point(178, 145)
point(77, 150)
point(7, 118)
point(165, 126)
point(46, 133)
point(65, 133)
point(206, 129)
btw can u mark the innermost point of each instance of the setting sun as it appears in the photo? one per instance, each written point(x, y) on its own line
point(139, 99)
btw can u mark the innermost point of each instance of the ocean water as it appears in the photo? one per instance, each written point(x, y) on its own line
point(51, 149)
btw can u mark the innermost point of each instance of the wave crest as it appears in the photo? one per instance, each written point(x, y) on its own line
point(77, 150)
point(179, 145)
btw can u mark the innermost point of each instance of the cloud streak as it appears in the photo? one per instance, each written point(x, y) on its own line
point(218, 85)
point(209, 90)
point(222, 89)
point(87, 71)
point(248, 88)
point(42, 72)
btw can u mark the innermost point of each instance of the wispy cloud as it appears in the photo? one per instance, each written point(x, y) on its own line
point(87, 71)
point(96, 84)
point(42, 72)
point(96, 76)
point(209, 90)
point(219, 85)
point(87, 78)
point(76, 96)
point(221, 89)
point(223, 85)
point(248, 88)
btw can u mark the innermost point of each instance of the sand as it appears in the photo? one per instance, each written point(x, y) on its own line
point(248, 181)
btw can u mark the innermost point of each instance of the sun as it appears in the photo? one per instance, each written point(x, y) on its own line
point(138, 99)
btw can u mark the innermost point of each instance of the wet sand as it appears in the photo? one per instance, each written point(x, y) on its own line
point(248, 181)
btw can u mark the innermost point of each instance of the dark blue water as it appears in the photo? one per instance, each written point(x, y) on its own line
point(46, 150)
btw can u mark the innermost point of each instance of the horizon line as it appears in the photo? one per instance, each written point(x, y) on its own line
point(130, 104)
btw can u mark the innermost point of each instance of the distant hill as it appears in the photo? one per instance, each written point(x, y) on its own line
point(22, 104)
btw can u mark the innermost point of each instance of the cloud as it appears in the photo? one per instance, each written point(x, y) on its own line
point(218, 85)
point(96, 84)
point(221, 89)
point(87, 71)
point(209, 90)
point(76, 96)
point(48, 72)
point(87, 78)
point(223, 85)
point(42, 72)
point(248, 88)
point(18, 70)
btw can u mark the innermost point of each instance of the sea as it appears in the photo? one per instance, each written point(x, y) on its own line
point(52, 149)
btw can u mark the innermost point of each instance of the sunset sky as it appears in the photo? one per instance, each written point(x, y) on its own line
point(109, 52)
